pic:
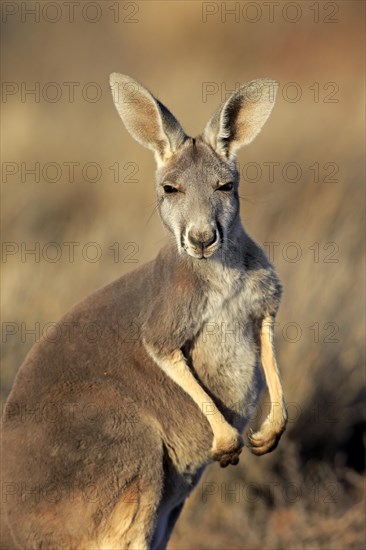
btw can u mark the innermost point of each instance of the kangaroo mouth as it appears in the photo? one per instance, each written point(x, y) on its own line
point(204, 255)
point(199, 252)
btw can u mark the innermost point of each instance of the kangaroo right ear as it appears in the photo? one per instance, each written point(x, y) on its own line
point(147, 120)
point(237, 122)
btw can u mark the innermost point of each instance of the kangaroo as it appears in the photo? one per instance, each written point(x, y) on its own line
point(114, 416)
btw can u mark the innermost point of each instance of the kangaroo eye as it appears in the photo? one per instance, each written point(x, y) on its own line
point(170, 189)
point(226, 187)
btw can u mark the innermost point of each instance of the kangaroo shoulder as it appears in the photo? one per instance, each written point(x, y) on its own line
point(261, 281)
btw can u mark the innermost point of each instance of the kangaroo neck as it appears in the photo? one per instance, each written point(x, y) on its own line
point(230, 257)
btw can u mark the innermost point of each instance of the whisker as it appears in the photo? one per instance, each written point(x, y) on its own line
point(246, 199)
point(155, 209)
point(255, 201)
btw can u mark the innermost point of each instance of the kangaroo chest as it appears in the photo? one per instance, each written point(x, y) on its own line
point(224, 354)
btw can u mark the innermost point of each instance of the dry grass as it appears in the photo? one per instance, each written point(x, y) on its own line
point(173, 52)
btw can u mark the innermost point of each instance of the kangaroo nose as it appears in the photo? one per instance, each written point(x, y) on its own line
point(203, 239)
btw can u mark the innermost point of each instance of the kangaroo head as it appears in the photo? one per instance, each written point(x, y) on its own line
point(196, 178)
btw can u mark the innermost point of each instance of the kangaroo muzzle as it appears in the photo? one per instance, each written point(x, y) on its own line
point(202, 243)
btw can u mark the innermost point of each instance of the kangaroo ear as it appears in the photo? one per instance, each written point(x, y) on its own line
point(238, 121)
point(147, 120)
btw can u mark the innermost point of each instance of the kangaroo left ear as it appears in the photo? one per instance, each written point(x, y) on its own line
point(240, 119)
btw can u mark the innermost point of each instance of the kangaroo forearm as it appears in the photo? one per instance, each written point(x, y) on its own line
point(278, 412)
point(174, 365)
point(268, 435)
point(227, 442)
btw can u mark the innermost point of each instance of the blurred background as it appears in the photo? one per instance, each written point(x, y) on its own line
point(78, 211)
